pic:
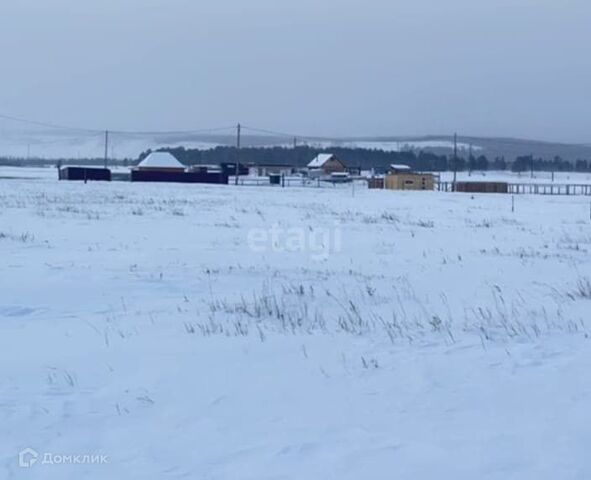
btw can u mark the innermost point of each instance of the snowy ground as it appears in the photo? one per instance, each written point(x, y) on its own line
point(222, 332)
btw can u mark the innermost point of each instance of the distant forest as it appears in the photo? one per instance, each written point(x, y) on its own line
point(365, 159)
point(354, 158)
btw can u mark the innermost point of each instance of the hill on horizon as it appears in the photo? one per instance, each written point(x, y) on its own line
point(50, 145)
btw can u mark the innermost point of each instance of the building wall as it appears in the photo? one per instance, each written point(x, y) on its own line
point(84, 174)
point(229, 168)
point(333, 166)
point(410, 181)
point(375, 183)
point(178, 177)
point(482, 187)
point(161, 169)
point(265, 170)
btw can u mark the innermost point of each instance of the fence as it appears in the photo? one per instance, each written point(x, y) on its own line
point(550, 189)
point(247, 180)
point(533, 188)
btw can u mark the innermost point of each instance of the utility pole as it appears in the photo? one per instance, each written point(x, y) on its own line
point(106, 147)
point(295, 152)
point(238, 129)
point(470, 162)
point(532, 166)
point(455, 161)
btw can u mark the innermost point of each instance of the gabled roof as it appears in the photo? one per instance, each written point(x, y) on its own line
point(399, 167)
point(320, 160)
point(160, 160)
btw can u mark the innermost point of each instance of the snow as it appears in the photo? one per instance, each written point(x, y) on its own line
point(320, 160)
point(399, 166)
point(221, 332)
point(405, 145)
point(160, 160)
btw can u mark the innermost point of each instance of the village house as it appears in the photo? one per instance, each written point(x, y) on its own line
point(325, 164)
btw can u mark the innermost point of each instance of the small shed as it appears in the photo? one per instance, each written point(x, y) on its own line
point(267, 169)
point(409, 181)
point(160, 162)
point(84, 173)
point(401, 177)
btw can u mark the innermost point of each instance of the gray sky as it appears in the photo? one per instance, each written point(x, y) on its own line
point(339, 68)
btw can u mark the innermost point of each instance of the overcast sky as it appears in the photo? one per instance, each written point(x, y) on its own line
point(318, 67)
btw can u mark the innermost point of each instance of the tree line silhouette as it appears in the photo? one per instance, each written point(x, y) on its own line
point(354, 158)
point(366, 159)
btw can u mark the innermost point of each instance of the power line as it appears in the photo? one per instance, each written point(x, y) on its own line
point(172, 132)
point(270, 132)
point(94, 131)
point(160, 133)
point(47, 125)
point(288, 135)
point(56, 141)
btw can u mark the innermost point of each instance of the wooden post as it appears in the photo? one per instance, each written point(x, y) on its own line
point(237, 172)
point(455, 162)
point(106, 147)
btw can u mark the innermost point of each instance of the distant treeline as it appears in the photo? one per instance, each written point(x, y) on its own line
point(45, 162)
point(355, 158)
point(525, 163)
point(366, 159)
point(299, 157)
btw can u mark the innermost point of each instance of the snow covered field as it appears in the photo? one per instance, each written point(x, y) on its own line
point(219, 332)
